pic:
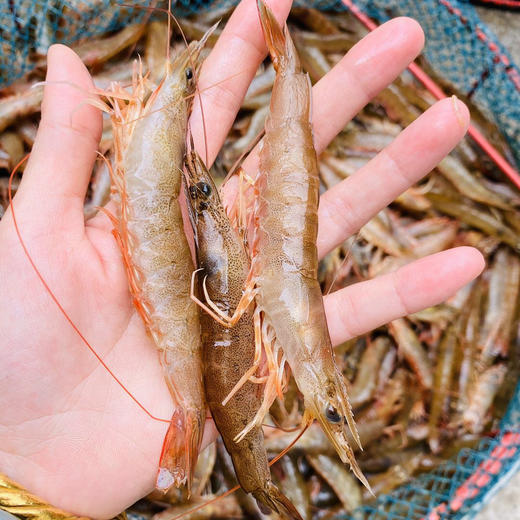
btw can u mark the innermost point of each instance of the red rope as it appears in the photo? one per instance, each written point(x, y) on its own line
point(430, 85)
point(480, 478)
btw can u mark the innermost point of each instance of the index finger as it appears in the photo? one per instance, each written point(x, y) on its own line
point(227, 73)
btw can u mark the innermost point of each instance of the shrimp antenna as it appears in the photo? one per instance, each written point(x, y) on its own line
point(58, 304)
point(236, 488)
point(238, 163)
point(280, 428)
point(338, 269)
point(168, 11)
point(204, 131)
point(169, 33)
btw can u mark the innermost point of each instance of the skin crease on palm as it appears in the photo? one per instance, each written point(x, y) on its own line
point(68, 432)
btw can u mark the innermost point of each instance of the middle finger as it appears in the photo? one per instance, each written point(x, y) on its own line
point(414, 153)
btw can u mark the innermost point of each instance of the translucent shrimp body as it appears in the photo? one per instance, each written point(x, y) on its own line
point(150, 139)
point(285, 259)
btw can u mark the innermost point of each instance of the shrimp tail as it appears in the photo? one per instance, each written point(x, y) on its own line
point(270, 498)
point(180, 450)
point(280, 47)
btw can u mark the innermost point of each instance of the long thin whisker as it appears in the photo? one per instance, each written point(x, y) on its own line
point(175, 102)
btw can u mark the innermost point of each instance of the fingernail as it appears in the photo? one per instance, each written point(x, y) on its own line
point(458, 113)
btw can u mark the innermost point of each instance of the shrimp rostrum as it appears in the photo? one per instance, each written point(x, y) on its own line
point(149, 141)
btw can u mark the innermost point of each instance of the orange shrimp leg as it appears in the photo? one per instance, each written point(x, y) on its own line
point(248, 376)
point(216, 313)
point(273, 387)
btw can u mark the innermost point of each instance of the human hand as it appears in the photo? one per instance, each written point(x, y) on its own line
point(68, 432)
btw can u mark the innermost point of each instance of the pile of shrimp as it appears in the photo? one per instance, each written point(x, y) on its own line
point(421, 388)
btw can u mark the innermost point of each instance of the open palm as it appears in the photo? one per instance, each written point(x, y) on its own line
point(67, 431)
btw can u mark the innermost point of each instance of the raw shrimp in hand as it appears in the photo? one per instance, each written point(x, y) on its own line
point(68, 432)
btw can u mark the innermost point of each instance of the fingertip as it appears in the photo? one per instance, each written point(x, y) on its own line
point(63, 62)
point(457, 266)
point(470, 261)
point(382, 54)
point(447, 122)
point(408, 30)
point(461, 112)
point(411, 28)
point(68, 87)
point(435, 278)
point(58, 49)
point(55, 48)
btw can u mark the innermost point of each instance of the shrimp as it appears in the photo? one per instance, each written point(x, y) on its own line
point(365, 384)
point(294, 484)
point(229, 352)
point(335, 474)
point(411, 349)
point(501, 308)
point(17, 106)
point(397, 475)
point(442, 383)
point(149, 140)
point(482, 395)
point(285, 261)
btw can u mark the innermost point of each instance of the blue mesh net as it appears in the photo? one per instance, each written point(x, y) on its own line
point(466, 55)
point(457, 489)
point(464, 52)
point(28, 27)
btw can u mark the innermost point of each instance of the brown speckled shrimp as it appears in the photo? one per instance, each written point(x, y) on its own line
point(228, 352)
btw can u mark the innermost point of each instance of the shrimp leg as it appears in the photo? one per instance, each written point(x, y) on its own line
point(213, 310)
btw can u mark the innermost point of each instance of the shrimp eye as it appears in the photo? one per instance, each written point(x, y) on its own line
point(332, 414)
point(189, 74)
point(193, 192)
point(204, 188)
